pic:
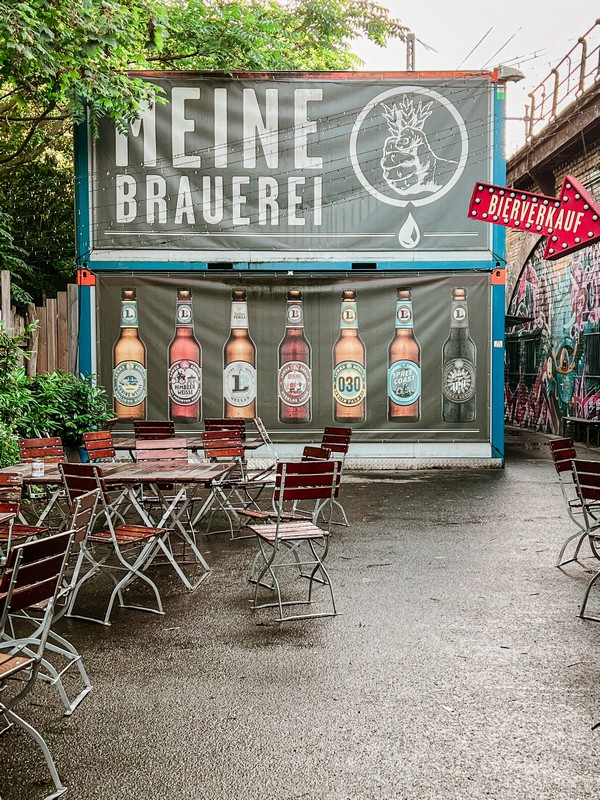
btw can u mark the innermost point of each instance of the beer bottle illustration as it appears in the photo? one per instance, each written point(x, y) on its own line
point(130, 384)
point(404, 365)
point(239, 361)
point(294, 381)
point(185, 364)
point(349, 366)
point(458, 364)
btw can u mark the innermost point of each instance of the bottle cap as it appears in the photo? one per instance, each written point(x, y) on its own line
point(459, 293)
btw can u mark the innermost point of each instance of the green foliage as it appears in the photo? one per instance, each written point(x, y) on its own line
point(61, 60)
point(54, 404)
point(64, 405)
point(58, 57)
point(40, 196)
point(11, 259)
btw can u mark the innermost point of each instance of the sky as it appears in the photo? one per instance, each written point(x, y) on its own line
point(532, 36)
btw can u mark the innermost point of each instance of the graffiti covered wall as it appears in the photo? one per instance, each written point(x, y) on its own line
point(553, 361)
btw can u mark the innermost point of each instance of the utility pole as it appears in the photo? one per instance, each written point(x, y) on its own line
point(410, 52)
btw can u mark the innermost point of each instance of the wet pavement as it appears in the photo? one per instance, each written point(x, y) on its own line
point(457, 667)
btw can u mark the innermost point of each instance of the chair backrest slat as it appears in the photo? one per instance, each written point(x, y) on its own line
point(337, 440)
point(33, 571)
point(222, 444)
point(82, 478)
point(161, 450)
point(11, 487)
point(47, 448)
point(99, 445)
point(82, 514)
point(306, 480)
point(563, 452)
point(312, 453)
point(153, 429)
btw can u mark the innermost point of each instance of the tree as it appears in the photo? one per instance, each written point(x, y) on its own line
point(61, 60)
point(58, 57)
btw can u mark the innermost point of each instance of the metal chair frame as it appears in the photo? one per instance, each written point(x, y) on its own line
point(587, 480)
point(34, 576)
point(80, 523)
point(315, 480)
point(125, 550)
point(563, 453)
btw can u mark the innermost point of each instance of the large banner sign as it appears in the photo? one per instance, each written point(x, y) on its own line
point(398, 357)
point(288, 167)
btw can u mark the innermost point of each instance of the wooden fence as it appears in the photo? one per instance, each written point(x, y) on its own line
point(54, 342)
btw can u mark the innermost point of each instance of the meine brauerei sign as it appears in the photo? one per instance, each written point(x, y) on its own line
point(295, 165)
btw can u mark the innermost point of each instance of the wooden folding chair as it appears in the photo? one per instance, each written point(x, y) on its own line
point(58, 648)
point(223, 445)
point(122, 551)
point(587, 481)
point(563, 453)
point(337, 441)
point(34, 576)
point(153, 429)
point(310, 480)
point(11, 489)
point(41, 502)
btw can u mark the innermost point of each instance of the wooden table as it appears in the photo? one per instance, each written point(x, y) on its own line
point(572, 425)
point(188, 479)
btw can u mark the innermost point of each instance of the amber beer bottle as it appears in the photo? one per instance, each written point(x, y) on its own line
point(130, 384)
point(404, 365)
point(239, 362)
point(294, 383)
point(185, 364)
point(458, 364)
point(349, 362)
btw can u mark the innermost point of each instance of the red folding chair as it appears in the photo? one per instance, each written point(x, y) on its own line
point(587, 481)
point(563, 453)
point(11, 489)
point(33, 576)
point(310, 480)
point(123, 551)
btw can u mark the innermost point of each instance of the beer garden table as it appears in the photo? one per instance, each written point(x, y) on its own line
point(190, 478)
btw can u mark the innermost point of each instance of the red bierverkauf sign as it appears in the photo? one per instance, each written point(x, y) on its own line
point(570, 221)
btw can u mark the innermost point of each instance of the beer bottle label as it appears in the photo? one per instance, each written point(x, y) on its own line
point(294, 382)
point(239, 314)
point(185, 382)
point(458, 380)
point(294, 316)
point(129, 383)
point(348, 317)
point(239, 383)
point(184, 315)
point(129, 315)
point(404, 382)
point(404, 315)
point(349, 383)
point(459, 316)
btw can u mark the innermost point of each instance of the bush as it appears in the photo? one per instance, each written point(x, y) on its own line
point(53, 404)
